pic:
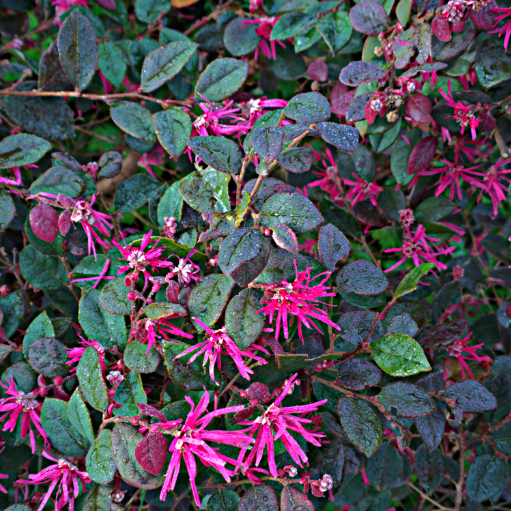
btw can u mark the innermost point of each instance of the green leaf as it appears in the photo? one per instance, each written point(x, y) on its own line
point(62, 434)
point(135, 192)
point(399, 355)
point(487, 476)
point(206, 190)
point(22, 149)
point(336, 29)
point(292, 209)
point(78, 51)
point(59, 180)
point(112, 297)
point(100, 464)
point(221, 79)
point(242, 322)
point(189, 376)
point(403, 9)
point(40, 327)
point(78, 414)
point(297, 159)
point(342, 219)
point(48, 357)
point(173, 128)
point(224, 500)
point(98, 324)
point(162, 64)
point(125, 439)
point(493, 63)
point(91, 266)
point(7, 210)
point(434, 209)
point(220, 153)
point(171, 204)
point(240, 38)
point(161, 310)
point(90, 378)
point(42, 271)
point(363, 278)
point(111, 63)
point(239, 247)
point(411, 279)
point(291, 24)
point(408, 400)
point(385, 467)
point(136, 358)
point(209, 298)
point(173, 248)
point(99, 498)
point(333, 246)
point(134, 119)
point(429, 468)
point(148, 11)
point(130, 392)
point(361, 424)
point(308, 107)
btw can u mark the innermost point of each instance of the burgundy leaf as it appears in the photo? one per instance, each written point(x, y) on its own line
point(151, 452)
point(422, 154)
point(107, 4)
point(484, 18)
point(340, 98)
point(65, 222)
point(356, 73)
point(440, 27)
point(284, 237)
point(258, 391)
point(292, 499)
point(486, 122)
point(458, 27)
point(173, 291)
point(44, 221)
point(418, 107)
point(369, 17)
point(508, 310)
point(151, 411)
point(318, 70)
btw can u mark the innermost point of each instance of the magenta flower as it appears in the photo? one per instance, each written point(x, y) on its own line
point(217, 343)
point(18, 403)
point(186, 270)
point(462, 353)
point(191, 440)
point(362, 189)
point(298, 299)
point(506, 28)
point(274, 423)
point(420, 248)
point(75, 354)
point(265, 26)
point(147, 330)
point(65, 476)
point(17, 174)
point(139, 259)
point(492, 185)
point(153, 157)
point(61, 6)
point(330, 179)
point(255, 107)
point(463, 112)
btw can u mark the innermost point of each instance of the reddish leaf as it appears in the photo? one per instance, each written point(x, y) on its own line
point(65, 222)
point(484, 18)
point(44, 221)
point(293, 499)
point(258, 391)
point(422, 154)
point(107, 4)
point(355, 110)
point(486, 122)
point(151, 411)
point(458, 27)
point(151, 452)
point(356, 73)
point(419, 107)
point(284, 237)
point(440, 27)
point(508, 310)
point(369, 113)
point(173, 291)
point(318, 71)
point(341, 102)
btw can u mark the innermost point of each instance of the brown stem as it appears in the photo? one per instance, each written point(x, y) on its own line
point(459, 485)
point(426, 497)
point(239, 180)
point(69, 274)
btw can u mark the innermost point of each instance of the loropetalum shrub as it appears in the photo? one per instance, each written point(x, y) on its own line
point(254, 255)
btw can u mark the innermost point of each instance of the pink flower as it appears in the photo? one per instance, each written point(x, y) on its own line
point(254, 108)
point(463, 112)
point(153, 157)
point(3, 476)
point(75, 354)
point(506, 28)
point(264, 29)
point(65, 476)
point(14, 182)
point(18, 403)
point(186, 271)
point(450, 178)
point(61, 6)
point(462, 352)
point(420, 248)
point(191, 440)
point(274, 423)
point(492, 185)
point(217, 343)
point(139, 259)
point(362, 189)
point(330, 179)
point(299, 299)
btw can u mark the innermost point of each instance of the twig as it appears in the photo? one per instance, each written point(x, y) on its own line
point(424, 496)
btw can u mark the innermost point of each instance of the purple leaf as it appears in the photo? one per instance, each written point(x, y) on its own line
point(318, 70)
point(151, 411)
point(339, 135)
point(356, 73)
point(422, 155)
point(369, 17)
point(64, 222)
point(284, 237)
point(107, 4)
point(333, 246)
point(419, 107)
point(44, 221)
point(440, 27)
point(151, 453)
point(292, 499)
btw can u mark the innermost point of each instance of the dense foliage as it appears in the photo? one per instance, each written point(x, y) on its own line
point(254, 255)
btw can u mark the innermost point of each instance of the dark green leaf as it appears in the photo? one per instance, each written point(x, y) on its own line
point(502, 438)
point(134, 192)
point(290, 25)
point(333, 246)
point(173, 128)
point(358, 72)
point(363, 278)
point(493, 63)
point(429, 467)
point(78, 414)
point(296, 159)
point(39, 328)
point(7, 210)
point(240, 37)
point(12, 309)
point(171, 204)
point(42, 271)
point(125, 439)
point(110, 163)
point(98, 324)
point(161, 310)
point(361, 424)
point(407, 399)
point(384, 468)
point(62, 434)
point(149, 11)
point(239, 247)
point(165, 62)
point(471, 396)
point(411, 279)
point(135, 358)
point(209, 298)
point(247, 272)
point(59, 180)
point(134, 119)
point(98, 498)
point(357, 374)
point(90, 378)
point(309, 107)
point(111, 63)
point(51, 75)
point(291, 209)
point(221, 78)
point(130, 392)
point(77, 49)
point(292, 499)
point(173, 248)
point(335, 27)
point(206, 190)
point(224, 500)
point(221, 153)
point(487, 477)
point(112, 297)
point(100, 462)
point(22, 149)
point(48, 357)
point(356, 325)
point(267, 142)
point(342, 219)
point(434, 209)
point(449, 295)
point(259, 498)
point(431, 429)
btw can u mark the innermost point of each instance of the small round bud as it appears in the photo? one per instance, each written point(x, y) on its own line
point(130, 295)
